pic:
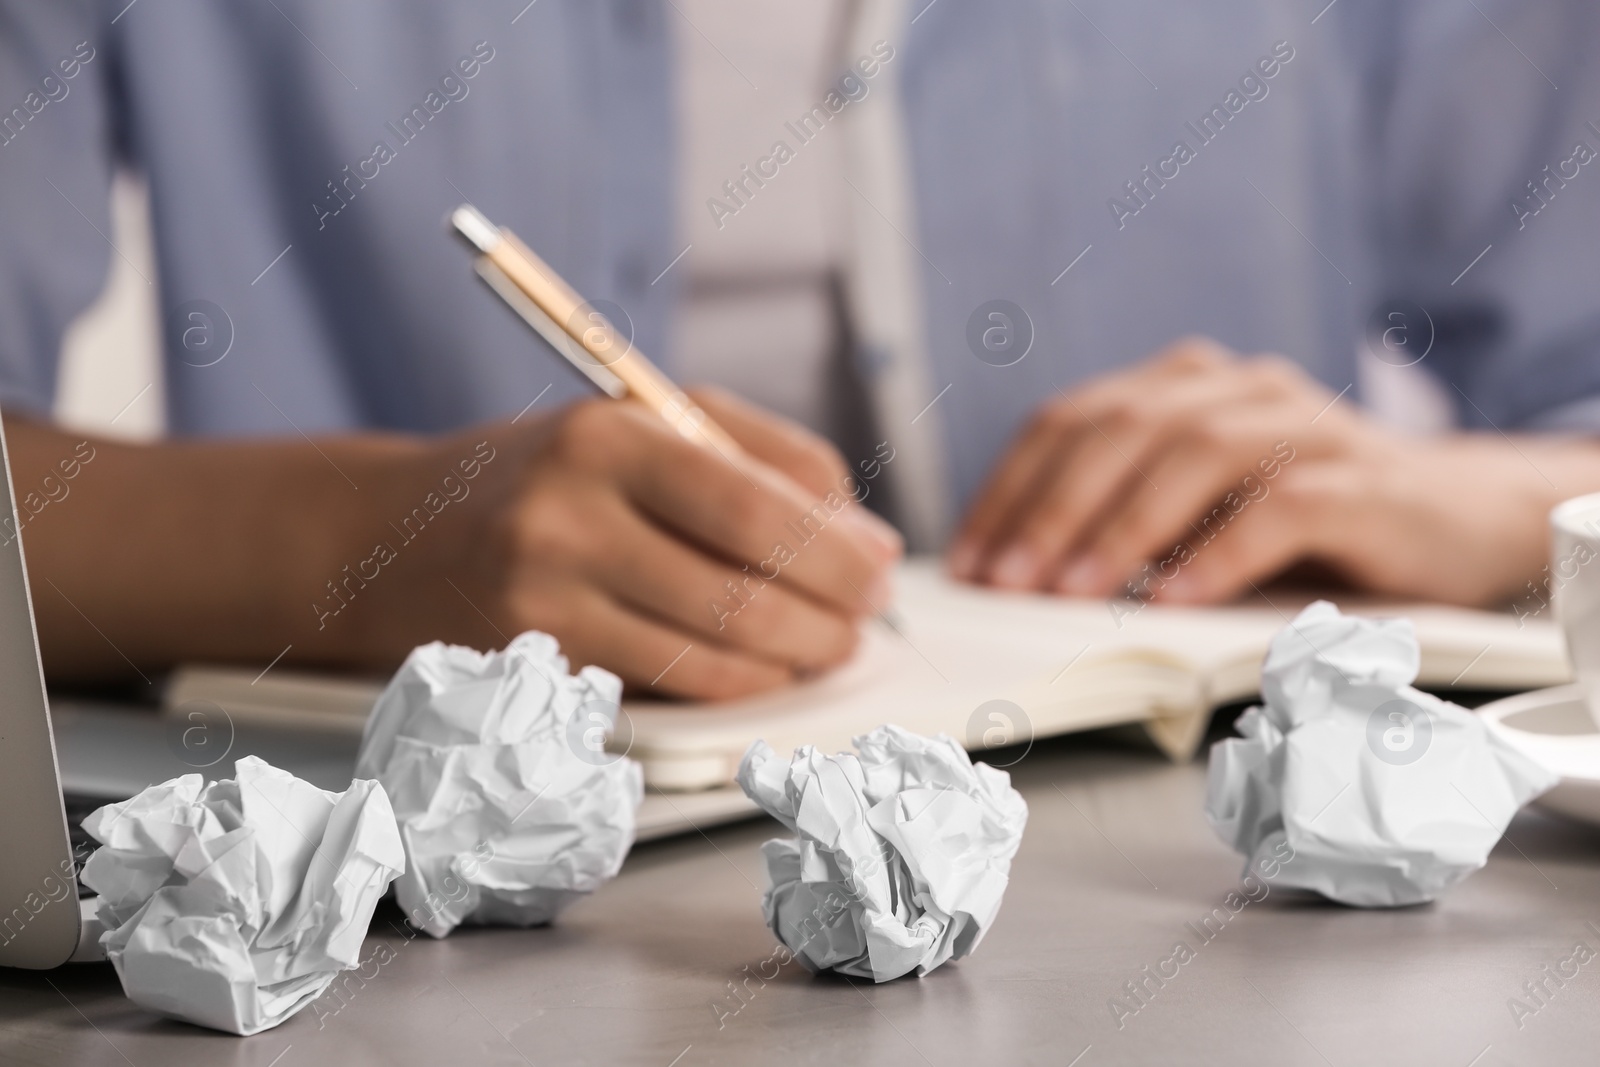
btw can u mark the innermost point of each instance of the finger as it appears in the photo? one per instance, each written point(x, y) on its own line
point(1206, 406)
point(648, 570)
point(1025, 465)
point(1260, 544)
point(775, 440)
point(649, 656)
point(741, 508)
point(1112, 463)
point(1191, 354)
point(811, 461)
point(1207, 474)
point(984, 550)
point(1189, 357)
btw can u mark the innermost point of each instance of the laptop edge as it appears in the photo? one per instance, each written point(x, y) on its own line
point(40, 917)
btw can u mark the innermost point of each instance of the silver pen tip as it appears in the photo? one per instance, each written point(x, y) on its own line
point(473, 227)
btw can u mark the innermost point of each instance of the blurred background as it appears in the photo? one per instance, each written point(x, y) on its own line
point(111, 378)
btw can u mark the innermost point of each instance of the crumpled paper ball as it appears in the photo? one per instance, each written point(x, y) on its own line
point(902, 856)
point(1383, 795)
point(509, 807)
point(234, 905)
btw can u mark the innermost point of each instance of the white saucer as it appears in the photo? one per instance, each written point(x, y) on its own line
point(1554, 728)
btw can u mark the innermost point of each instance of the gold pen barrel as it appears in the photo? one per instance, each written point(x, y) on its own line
point(594, 334)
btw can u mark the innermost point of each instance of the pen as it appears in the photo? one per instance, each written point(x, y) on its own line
point(579, 332)
point(586, 338)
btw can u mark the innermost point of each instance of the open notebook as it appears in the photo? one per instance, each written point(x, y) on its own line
point(1067, 664)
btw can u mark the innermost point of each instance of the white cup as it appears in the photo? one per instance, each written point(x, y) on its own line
point(1574, 579)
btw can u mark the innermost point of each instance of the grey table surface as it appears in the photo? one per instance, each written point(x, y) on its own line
point(656, 969)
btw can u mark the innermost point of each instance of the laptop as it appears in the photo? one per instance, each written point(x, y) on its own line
point(43, 922)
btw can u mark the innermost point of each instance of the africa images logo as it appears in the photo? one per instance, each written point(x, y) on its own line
point(1399, 732)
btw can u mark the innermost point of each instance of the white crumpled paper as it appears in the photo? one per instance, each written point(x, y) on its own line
point(1386, 795)
point(234, 905)
point(903, 854)
point(509, 807)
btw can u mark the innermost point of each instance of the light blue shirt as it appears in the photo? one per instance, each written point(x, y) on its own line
point(1267, 172)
